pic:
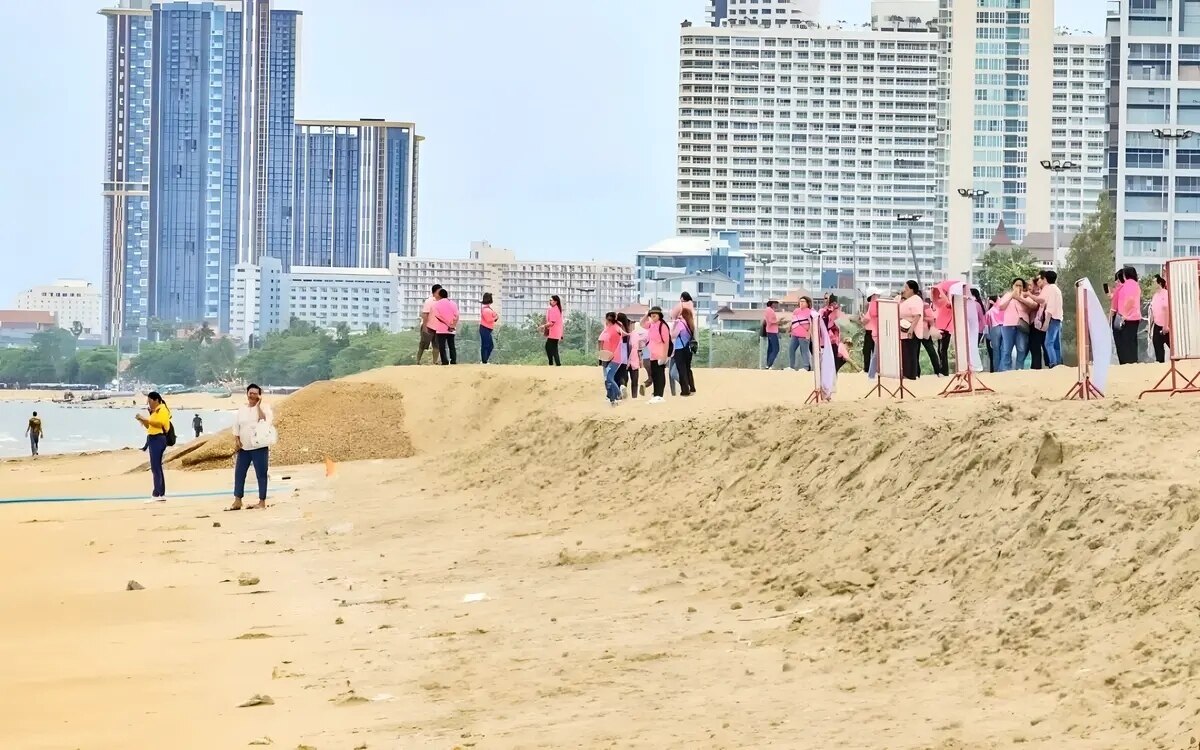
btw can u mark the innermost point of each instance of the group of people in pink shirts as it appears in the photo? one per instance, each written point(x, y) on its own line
point(439, 321)
point(666, 347)
point(800, 329)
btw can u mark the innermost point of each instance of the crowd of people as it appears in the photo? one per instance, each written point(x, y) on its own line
point(665, 344)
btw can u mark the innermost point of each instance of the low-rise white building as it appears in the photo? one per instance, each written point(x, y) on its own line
point(521, 288)
point(68, 300)
point(265, 299)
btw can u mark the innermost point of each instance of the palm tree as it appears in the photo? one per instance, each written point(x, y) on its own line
point(204, 334)
point(77, 329)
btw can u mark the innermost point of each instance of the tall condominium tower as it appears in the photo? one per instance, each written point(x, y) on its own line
point(125, 289)
point(197, 170)
point(356, 192)
point(1154, 130)
point(817, 145)
point(763, 13)
point(994, 123)
point(1080, 128)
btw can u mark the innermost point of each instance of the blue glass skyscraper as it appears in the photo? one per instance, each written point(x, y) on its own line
point(355, 187)
point(126, 186)
point(198, 165)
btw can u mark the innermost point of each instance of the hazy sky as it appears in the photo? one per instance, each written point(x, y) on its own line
point(550, 124)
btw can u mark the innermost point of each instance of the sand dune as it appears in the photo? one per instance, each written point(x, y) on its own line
point(732, 570)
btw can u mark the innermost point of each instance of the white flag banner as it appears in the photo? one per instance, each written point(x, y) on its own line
point(1100, 335)
point(828, 366)
point(966, 325)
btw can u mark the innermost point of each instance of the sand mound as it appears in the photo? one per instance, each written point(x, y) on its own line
point(339, 420)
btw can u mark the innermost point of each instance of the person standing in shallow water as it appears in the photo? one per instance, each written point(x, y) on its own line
point(198, 425)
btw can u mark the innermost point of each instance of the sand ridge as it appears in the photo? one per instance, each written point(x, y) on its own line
point(734, 570)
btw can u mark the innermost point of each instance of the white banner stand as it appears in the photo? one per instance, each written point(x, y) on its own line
point(1183, 322)
point(889, 353)
point(1085, 388)
point(965, 330)
point(824, 370)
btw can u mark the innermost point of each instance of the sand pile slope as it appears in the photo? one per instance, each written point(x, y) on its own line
point(339, 420)
point(1009, 533)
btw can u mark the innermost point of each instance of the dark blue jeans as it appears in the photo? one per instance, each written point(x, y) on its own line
point(772, 349)
point(156, 446)
point(260, 457)
point(486, 344)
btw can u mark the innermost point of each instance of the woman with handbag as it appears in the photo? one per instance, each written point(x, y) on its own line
point(658, 340)
point(253, 434)
point(912, 329)
point(685, 345)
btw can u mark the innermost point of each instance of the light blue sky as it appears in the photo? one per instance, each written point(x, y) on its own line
point(550, 124)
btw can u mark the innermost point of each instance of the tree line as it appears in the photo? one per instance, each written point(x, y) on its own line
point(55, 357)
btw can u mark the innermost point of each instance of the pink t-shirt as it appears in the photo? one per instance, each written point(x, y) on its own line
point(801, 319)
point(637, 340)
point(913, 310)
point(610, 341)
point(872, 322)
point(554, 322)
point(658, 338)
point(677, 310)
point(771, 319)
point(488, 317)
point(1053, 300)
point(994, 317)
point(1014, 312)
point(427, 309)
point(1158, 308)
point(1130, 306)
point(943, 314)
point(444, 316)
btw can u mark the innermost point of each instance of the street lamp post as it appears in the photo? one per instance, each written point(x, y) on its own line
point(1172, 137)
point(976, 196)
point(908, 220)
point(587, 320)
point(1056, 167)
point(820, 255)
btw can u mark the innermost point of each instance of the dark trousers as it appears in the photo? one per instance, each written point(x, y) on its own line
point(772, 349)
point(868, 349)
point(1126, 337)
point(1158, 337)
point(33, 440)
point(934, 360)
point(683, 365)
point(552, 353)
point(486, 344)
point(260, 458)
point(658, 378)
point(1037, 348)
point(943, 348)
point(156, 446)
point(910, 358)
point(633, 382)
point(198, 431)
point(449, 354)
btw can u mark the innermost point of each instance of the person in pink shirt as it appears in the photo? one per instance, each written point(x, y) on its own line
point(1052, 299)
point(801, 323)
point(488, 318)
point(1127, 311)
point(658, 341)
point(552, 329)
point(1016, 306)
point(685, 301)
point(443, 321)
point(770, 331)
point(994, 325)
point(611, 353)
point(636, 342)
point(912, 329)
point(428, 337)
point(1160, 332)
point(870, 324)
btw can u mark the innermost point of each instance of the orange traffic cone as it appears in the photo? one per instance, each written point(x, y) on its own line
point(330, 467)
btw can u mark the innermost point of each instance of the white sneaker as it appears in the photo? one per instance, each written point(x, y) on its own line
point(656, 400)
point(624, 392)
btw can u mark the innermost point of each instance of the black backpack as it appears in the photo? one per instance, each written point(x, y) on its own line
point(170, 434)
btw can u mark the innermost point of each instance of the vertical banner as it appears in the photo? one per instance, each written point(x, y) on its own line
point(1099, 335)
point(888, 346)
point(1183, 302)
point(818, 362)
point(966, 331)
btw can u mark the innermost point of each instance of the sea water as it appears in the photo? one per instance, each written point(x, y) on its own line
point(68, 428)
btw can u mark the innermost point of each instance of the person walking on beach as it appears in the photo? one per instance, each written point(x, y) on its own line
point(488, 318)
point(770, 331)
point(658, 337)
point(157, 422)
point(800, 347)
point(1159, 320)
point(34, 432)
point(609, 353)
point(253, 435)
point(552, 329)
point(198, 425)
point(685, 343)
point(636, 343)
point(428, 337)
point(912, 329)
point(444, 321)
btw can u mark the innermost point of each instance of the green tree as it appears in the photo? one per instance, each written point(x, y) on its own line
point(97, 366)
point(218, 361)
point(57, 347)
point(162, 330)
point(76, 329)
point(172, 361)
point(1000, 267)
point(1092, 256)
point(204, 334)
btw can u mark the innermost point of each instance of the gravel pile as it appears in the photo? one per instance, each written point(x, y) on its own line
point(339, 420)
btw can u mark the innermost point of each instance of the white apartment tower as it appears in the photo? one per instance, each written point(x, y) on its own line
point(811, 143)
point(994, 123)
point(1080, 128)
point(762, 13)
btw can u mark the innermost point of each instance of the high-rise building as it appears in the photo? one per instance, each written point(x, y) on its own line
point(126, 285)
point(356, 192)
point(812, 143)
point(994, 123)
point(1080, 129)
point(1154, 130)
point(762, 13)
point(197, 165)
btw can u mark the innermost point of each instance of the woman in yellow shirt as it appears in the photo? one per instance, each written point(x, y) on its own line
point(156, 422)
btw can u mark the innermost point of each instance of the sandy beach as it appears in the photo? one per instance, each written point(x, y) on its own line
point(734, 570)
point(181, 401)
